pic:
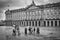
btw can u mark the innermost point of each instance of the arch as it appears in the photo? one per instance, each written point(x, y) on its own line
point(44, 23)
point(55, 23)
point(51, 23)
point(47, 23)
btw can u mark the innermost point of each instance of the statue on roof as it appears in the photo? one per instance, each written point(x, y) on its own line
point(33, 3)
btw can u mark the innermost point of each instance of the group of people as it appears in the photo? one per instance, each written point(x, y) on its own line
point(16, 30)
point(32, 30)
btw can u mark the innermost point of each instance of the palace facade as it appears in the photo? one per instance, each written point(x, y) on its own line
point(35, 15)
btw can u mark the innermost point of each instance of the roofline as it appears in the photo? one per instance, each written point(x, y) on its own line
point(39, 6)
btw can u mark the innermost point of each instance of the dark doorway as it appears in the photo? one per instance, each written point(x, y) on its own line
point(59, 23)
point(39, 23)
point(32, 23)
point(35, 23)
point(51, 23)
point(48, 23)
point(44, 23)
point(55, 23)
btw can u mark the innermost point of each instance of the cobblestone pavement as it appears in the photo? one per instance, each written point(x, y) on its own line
point(6, 34)
point(32, 37)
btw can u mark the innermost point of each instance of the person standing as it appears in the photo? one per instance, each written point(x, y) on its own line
point(14, 31)
point(30, 30)
point(38, 31)
point(18, 30)
point(34, 29)
point(25, 31)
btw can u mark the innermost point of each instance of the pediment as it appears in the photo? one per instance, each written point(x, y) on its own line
point(32, 7)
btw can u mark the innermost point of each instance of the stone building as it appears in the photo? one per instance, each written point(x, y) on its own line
point(35, 15)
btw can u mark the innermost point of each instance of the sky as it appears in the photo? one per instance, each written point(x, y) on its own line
point(15, 4)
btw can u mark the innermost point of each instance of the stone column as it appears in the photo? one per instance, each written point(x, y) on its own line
point(57, 22)
point(46, 24)
point(41, 23)
point(31, 23)
point(25, 23)
point(21, 23)
point(53, 23)
point(34, 23)
point(49, 23)
point(28, 23)
point(37, 23)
